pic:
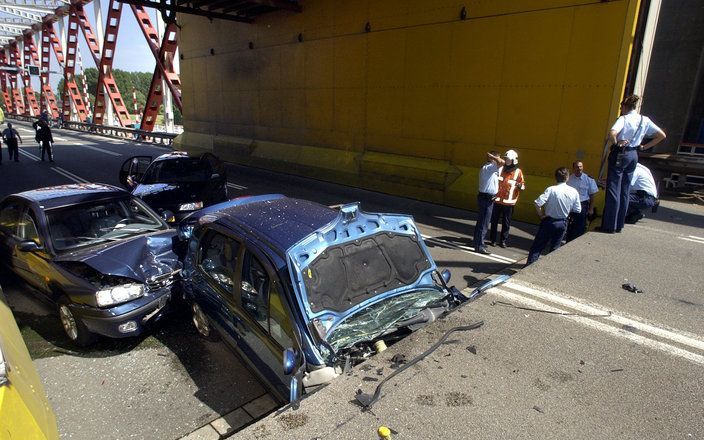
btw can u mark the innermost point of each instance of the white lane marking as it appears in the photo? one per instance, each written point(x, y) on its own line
point(605, 328)
point(56, 138)
point(468, 249)
point(70, 175)
point(90, 147)
point(235, 186)
point(696, 238)
point(678, 336)
point(29, 155)
point(693, 240)
point(26, 129)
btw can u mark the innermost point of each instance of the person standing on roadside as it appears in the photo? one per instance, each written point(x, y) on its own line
point(587, 188)
point(553, 207)
point(488, 187)
point(45, 138)
point(511, 184)
point(625, 139)
point(11, 136)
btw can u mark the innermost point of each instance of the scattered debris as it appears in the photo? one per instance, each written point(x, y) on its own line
point(631, 288)
point(455, 398)
point(539, 409)
point(472, 349)
point(397, 360)
point(629, 328)
point(370, 379)
point(380, 371)
point(615, 370)
point(581, 362)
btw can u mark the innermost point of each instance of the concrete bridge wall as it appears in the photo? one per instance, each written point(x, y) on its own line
point(405, 97)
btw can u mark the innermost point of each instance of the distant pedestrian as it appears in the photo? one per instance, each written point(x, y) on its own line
point(511, 184)
point(488, 187)
point(46, 140)
point(553, 207)
point(587, 188)
point(625, 138)
point(11, 136)
point(644, 194)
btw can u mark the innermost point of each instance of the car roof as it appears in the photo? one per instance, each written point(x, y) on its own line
point(173, 155)
point(72, 194)
point(282, 222)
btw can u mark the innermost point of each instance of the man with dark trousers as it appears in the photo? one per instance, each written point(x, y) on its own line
point(510, 186)
point(553, 207)
point(587, 188)
point(45, 139)
point(488, 187)
point(10, 136)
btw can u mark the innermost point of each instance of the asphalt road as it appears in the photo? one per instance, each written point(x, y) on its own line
point(168, 383)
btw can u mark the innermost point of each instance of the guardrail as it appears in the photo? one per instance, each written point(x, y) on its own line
point(132, 134)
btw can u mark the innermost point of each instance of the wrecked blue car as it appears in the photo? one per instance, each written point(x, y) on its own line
point(101, 256)
point(302, 290)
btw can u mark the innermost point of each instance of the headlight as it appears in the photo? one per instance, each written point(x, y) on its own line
point(190, 206)
point(119, 294)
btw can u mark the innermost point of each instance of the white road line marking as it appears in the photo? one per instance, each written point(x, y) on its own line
point(26, 129)
point(678, 336)
point(605, 328)
point(235, 186)
point(29, 155)
point(469, 249)
point(70, 175)
point(700, 241)
point(696, 238)
point(90, 147)
point(56, 138)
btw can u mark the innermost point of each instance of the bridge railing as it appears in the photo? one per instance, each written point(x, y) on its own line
point(132, 134)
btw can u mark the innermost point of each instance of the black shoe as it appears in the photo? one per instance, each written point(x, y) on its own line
point(51, 160)
point(602, 230)
point(502, 244)
point(484, 251)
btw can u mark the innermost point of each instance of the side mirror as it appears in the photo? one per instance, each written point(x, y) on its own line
point(29, 246)
point(446, 275)
point(290, 361)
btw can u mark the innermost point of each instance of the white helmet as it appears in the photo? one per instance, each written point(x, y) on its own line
point(510, 154)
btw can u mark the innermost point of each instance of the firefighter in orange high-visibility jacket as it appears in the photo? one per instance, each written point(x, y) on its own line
point(511, 184)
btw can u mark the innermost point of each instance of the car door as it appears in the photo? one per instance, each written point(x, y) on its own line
point(133, 170)
point(264, 320)
point(216, 188)
point(10, 213)
point(215, 280)
point(34, 266)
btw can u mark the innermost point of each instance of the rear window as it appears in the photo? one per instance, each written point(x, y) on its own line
point(178, 171)
point(348, 274)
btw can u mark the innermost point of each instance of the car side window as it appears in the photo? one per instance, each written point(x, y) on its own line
point(255, 289)
point(9, 218)
point(27, 229)
point(218, 259)
point(280, 322)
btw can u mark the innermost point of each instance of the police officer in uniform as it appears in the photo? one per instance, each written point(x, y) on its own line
point(11, 137)
point(553, 206)
point(586, 187)
point(644, 194)
point(45, 138)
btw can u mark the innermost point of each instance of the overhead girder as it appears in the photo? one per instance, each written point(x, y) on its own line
point(164, 55)
point(17, 102)
point(156, 93)
point(3, 83)
point(71, 94)
point(106, 80)
point(30, 97)
point(28, 13)
point(49, 101)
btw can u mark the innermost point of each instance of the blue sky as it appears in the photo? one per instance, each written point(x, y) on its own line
point(132, 53)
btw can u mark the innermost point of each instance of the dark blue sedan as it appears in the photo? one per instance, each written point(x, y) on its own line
point(101, 256)
point(298, 287)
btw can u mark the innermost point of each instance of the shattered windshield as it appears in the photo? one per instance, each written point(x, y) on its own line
point(378, 318)
point(100, 221)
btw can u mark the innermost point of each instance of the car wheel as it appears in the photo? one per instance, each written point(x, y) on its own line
point(74, 328)
point(202, 324)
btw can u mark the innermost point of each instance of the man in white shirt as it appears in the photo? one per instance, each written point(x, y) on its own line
point(553, 206)
point(488, 187)
point(586, 187)
point(644, 194)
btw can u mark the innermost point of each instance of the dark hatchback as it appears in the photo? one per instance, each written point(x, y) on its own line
point(298, 287)
point(175, 184)
point(98, 254)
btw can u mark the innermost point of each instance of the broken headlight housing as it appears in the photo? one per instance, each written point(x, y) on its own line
point(190, 206)
point(119, 294)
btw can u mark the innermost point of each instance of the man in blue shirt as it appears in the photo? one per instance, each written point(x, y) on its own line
point(488, 187)
point(587, 188)
point(553, 207)
point(10, 136)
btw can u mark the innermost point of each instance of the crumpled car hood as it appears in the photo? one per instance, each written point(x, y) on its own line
point(165, 194)
point(140, 258)
point(357, 260)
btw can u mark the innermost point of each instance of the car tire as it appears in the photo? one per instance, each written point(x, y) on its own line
point(75, 330)
point(202, 324)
